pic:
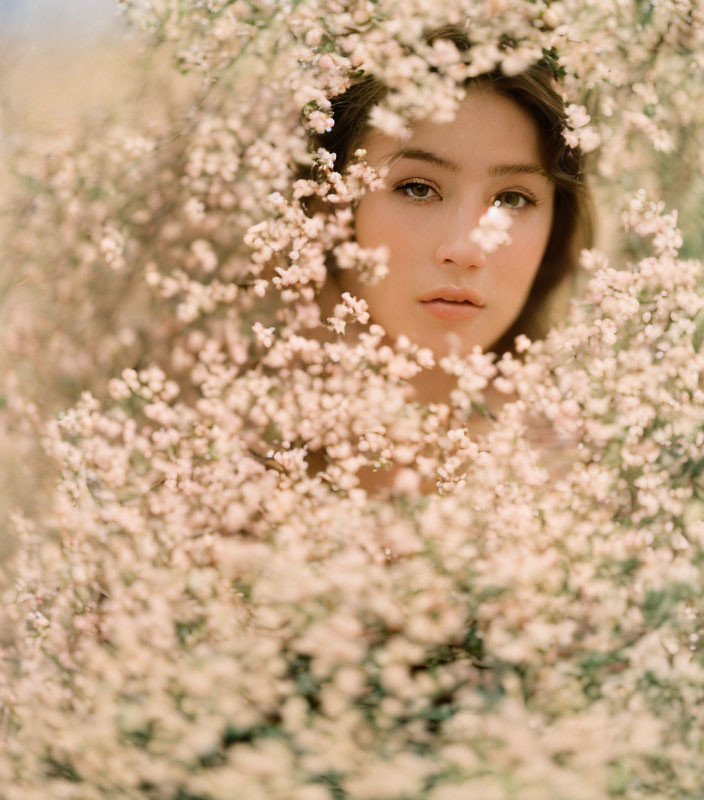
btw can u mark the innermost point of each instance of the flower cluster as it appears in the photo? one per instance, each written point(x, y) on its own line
point(493, 229)
point(214, 614)
point(267, 570)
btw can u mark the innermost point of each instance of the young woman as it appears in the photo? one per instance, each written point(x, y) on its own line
point(505, 149)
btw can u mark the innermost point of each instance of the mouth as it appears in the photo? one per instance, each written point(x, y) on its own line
point(452, 304)
point(453, 294)
point(451, 311)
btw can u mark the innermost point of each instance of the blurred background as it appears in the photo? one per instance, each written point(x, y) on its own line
point(54, 56)
point(58, 20)
point(62, 63)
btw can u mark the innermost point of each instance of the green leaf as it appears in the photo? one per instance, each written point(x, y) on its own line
point(473, 643)
point(698, 335)
point(61, 769)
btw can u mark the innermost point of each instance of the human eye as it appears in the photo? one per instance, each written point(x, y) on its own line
point(514, 200)
point(416, 190)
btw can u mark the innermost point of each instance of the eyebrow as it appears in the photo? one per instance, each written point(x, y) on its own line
point(518, 169)
point(423, 155)
point(498, 170)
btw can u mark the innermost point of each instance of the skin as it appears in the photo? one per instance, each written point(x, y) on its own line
point(426, 211)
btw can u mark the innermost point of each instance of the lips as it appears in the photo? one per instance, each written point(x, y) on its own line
point(453, 294)
point(452, 304)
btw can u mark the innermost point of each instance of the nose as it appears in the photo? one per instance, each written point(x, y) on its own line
point(455, 245)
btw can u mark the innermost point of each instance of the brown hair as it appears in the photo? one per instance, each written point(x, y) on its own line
point(534, 90)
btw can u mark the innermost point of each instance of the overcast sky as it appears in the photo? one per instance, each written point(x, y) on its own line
point(66, 19)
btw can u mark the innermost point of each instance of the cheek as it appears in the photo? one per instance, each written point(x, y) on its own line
point(366, 218)
point(529, 238)
point(378, 222)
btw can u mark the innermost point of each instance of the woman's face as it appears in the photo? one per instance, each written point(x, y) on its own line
point(440, 182)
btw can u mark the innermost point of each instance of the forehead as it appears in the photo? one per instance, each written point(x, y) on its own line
point(488, 128)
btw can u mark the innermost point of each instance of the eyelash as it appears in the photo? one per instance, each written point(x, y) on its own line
point(406, 184)
point(529, 199)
